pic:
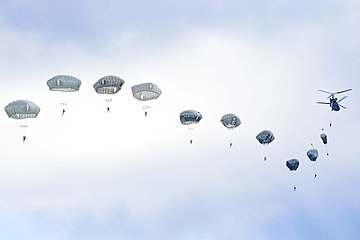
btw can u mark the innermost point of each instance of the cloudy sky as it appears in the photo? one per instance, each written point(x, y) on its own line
point(93, 175)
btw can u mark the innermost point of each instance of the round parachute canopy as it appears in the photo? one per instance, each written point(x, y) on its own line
point(230, 121)
point(190, 117)
point(145, 91)
point(265, 137)
point(312, 154)
point(22, 109)
point(108, 85)
point(64, 83)
point(323, 138)
point(292, 164)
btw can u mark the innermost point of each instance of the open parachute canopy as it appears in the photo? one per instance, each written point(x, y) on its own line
point(21, 109)
point(190, 117)
point(312, 154)
point(323, 138)
point(292, 164)
point(64, 83)
point(145, 91)
point(230, 121)
point(108, 85)
point(265, 137)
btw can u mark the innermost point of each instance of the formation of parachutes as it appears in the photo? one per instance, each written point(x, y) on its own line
point(109, 85)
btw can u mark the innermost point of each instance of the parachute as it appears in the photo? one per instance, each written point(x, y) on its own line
point(323, 137)
point(108, 85)
point(145, 92)
point(293, 165)
point(265, 138)
point(230, 121)
point(312, 154)
point(22, 109)
point(64, 83)
point(189, 117)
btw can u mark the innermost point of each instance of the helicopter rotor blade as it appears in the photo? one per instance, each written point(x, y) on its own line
point(322, 103)
point(344, 91)
point(325, 91)
point(342, 98)
point(342, 106)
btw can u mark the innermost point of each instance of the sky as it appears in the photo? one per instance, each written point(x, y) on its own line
point(96, 175)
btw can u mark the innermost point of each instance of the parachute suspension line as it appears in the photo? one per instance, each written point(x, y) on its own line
point(24, 127)
point(327, 152)
point(230, 137)
point(330, 118)
point(63, 105)
point(265, 153)
point(191, 134)
point(315, 171)
point(145, 108)
point(294, 181)
point(108, 105)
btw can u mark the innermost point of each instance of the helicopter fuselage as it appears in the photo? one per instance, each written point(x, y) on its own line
point(334, 104)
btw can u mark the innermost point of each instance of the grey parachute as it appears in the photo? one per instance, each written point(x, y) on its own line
point(292, 164)
point(22, 109)
point(189, 117)
point(64, 83)
point(323, 137)
point(312, 154)
point(230, 121)
point(108, 85)
point(265, 137)
point(145, 92)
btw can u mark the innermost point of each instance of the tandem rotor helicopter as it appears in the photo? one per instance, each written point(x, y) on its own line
point(334, 102)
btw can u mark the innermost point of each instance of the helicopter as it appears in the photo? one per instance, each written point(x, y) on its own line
point(334, 102)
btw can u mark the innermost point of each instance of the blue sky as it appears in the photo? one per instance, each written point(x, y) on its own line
point(91, 175)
